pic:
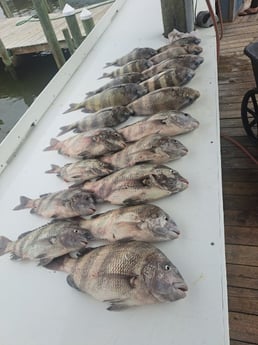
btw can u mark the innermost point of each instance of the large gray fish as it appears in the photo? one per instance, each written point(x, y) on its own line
point(175, 52)
point(82, 170)
point(133, 77)
point(167, 98)
point(188, 61)
point(114, 96)
point(181, 42)
point(135, 54)
point(141, 223)
point(89, 144)
point(137, 184)
point(132, 66)
point(124, 274)
point(167, 123)
point(176, 76)
point(63, 204)
point(153, 148)
point(47, 242)
point(107, 117)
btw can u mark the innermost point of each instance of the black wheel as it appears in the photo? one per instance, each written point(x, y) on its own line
point(249, 113)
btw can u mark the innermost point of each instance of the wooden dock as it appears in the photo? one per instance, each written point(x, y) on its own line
point(29, 37)
point(240, 182)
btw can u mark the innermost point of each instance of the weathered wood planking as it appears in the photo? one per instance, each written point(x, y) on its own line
point(240, 182)
point(29, 37)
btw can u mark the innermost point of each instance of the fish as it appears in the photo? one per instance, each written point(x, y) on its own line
point(82, 170)
point(145, 222)
point(135, 54)
point(176, 76)
point(175, 35)
point(118, 95)
point(175, 52)
point(107, 117)
point(133, 77)
point(47, 242)
point(136, 185)
point(124, 274)
point(63, 204)
point(181, 42)
point(90, 144)
point(153, 148)
point(188, 61)
point(167, 98)
point(138, 65)
point(167, 123)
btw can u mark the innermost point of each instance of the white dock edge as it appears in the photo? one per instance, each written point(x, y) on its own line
point(37, 307)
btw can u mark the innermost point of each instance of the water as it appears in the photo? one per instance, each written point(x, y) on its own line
point(32, 74)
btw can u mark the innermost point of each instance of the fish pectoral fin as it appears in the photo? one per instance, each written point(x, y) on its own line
point(44, 261)
point(71, 282)
point(24, 234)
point(52, 240)
point(14, 257)
point(117, 304)
point(132, 201)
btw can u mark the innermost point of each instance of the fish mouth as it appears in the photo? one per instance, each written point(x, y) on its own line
point(84, 242)
point(181, 289)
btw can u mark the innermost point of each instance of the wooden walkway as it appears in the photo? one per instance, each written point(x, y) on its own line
point(240, 182)
point(29, 37)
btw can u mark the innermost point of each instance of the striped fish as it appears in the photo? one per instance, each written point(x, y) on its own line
point(181, 42)
point(175, 52)
point(132, 66)
point(135, 54)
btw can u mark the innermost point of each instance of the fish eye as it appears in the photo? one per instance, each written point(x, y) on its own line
point(167, 267)
point(166, 218)
point(75, 230)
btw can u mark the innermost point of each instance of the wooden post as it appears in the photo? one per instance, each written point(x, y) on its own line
point(69, 13)
point(49, 32)
point(62, 4)
point(48, 6)
point(69, 41)
point(87, 21)
point(6, 9)
point(177, 15)
point(7, 60)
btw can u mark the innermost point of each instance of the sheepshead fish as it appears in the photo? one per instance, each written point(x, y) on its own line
point(82, 170)
point(107, 117)
point(133, 77)
point(154, 148)
point(176, 76)
point(89, 144)
point(124, 274)
point(47, 242)
point(188, 61)
point(173, 52)
point(114, 96)
point(135, 54)
point(181, 42)
point(132, 66)
point(176, 35)
point(63, 204)
point(141, 223)
point(167, 123)
point(137, 184)
point(167, 98)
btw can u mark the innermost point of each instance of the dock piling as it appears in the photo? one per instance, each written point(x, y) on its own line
point(6, 9)
point(69, 41)
point(87, 21)
point(69, 14)
point(49, 32)
point(6, 58)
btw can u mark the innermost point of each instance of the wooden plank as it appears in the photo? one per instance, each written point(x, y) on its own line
point(242, 276)
point(240, 217)
point(243, 300)
point(243, 327)
point(240, 188)
point(231, 174)
point(242, 255)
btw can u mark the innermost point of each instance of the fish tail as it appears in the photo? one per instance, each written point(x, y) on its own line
point(4, 245)
point(54, 145)
point(55, 169)
point(62, 263)
point(108, 64)
point(74, 106)
point(104, 75)
point(89, 94)
point(66, 129)
point(24, 203)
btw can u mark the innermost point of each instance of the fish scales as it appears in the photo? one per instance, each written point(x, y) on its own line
point(167, 123)
point(141, 222)
point(135, 54)
point(169, 98)
point(177, 76)
point(174, 52)
point(181, 42)
point(124, 274)
point(132, 66)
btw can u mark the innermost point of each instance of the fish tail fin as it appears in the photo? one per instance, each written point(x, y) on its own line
point(66, 129)
point(108, 64)
point(74, 106)
point(4, 245)
point(104, 75)
point(24, 203)
point(89, 94)
point(55, 169)
point(61, 263)
point(54, 145)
